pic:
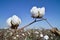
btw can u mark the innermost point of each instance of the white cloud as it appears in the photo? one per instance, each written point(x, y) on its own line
point(38, 11)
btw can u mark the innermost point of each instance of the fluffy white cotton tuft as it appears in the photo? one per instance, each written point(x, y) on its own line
point(16, 20)
point(41, 11)
point(38, 12)
point(34, 11)
point(41, 35)
point(9, 21)
point(46, 37)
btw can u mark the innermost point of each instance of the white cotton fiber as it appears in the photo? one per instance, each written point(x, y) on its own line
point(46, 37)
point(16, 20)
point(41, 11)
point(34, 11)
point(9, 21)
point(41, 35)
point(37, 12)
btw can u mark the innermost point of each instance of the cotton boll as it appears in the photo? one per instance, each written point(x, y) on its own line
point(46, 37)
point(16, 20)
point(41, 35)
point(33, 8)
point(23, 34)
point(41, 11)
point(15, 38)
point(34, 12)
point(37, 12)
point(17, 35)
point(9, 22)
point(36, 32)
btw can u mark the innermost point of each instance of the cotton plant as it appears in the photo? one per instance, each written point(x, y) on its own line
point(13, 21)
point(37, 12)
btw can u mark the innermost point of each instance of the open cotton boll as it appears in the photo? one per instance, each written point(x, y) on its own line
point(16, 20)
point(33, 8)
point(34, 12)
point(41, 11)
point(41, 35)
point(46, 37)
point(9, 22)
point(37, 12)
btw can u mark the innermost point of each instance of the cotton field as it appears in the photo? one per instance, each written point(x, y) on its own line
point(30, 34)
point(13, 33)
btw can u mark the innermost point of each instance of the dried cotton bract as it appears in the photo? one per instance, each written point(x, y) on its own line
point(37, 12)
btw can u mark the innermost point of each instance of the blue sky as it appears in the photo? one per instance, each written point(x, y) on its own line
point(22, 8)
